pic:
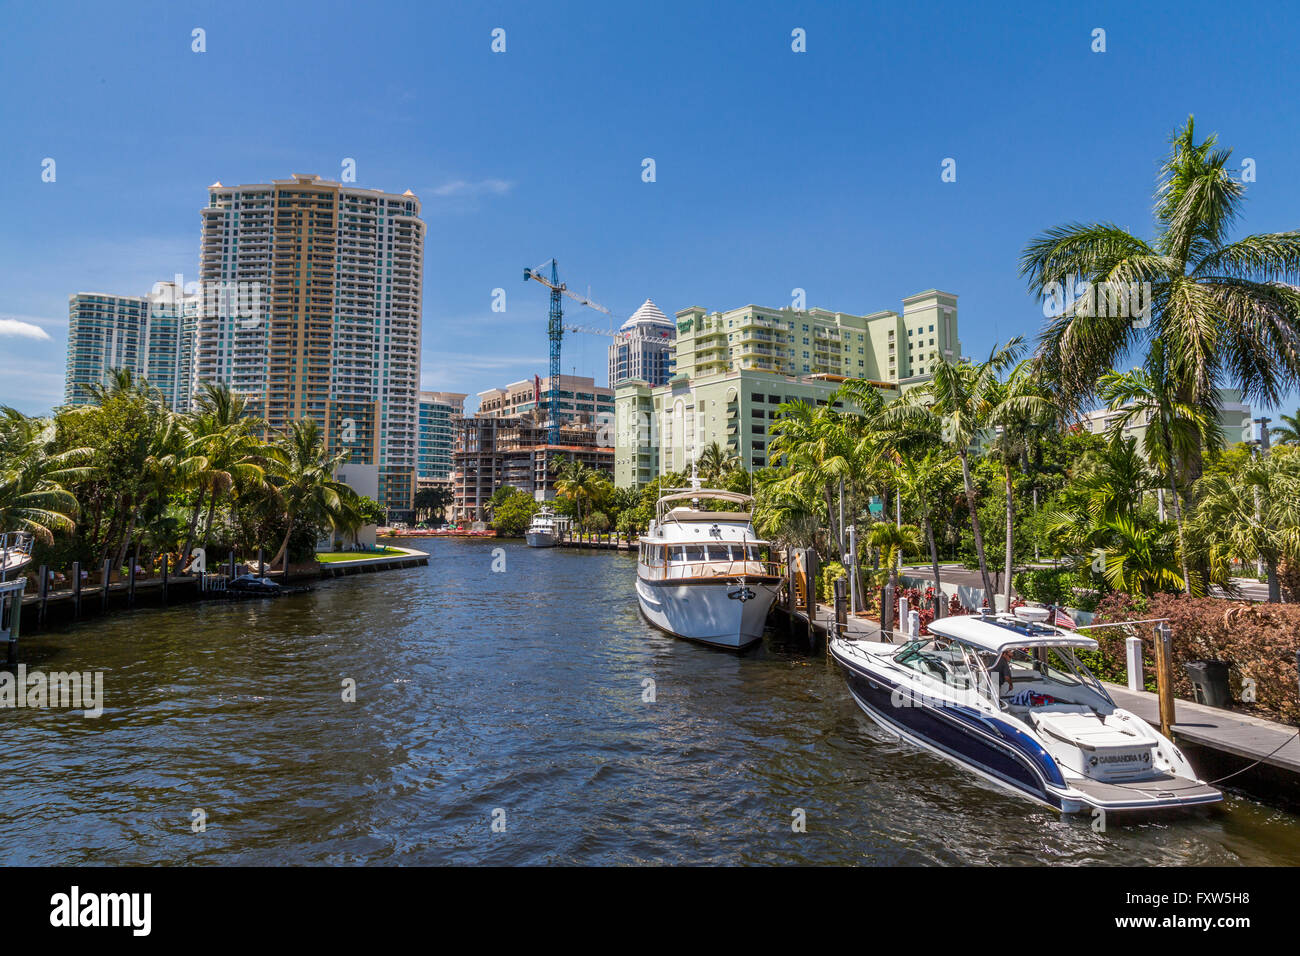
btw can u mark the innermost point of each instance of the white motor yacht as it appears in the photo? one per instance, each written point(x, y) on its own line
point(704, 575)
point(545, 529)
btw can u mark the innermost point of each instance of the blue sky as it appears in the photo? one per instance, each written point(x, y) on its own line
point(774, 169)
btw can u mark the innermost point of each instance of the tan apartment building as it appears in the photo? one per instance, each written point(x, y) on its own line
point(339, 273)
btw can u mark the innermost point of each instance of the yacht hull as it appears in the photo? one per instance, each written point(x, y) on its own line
point(1001, 752)
point(728, 612)
point(541, 539)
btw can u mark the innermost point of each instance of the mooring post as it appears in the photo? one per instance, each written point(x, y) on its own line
point(914, 624)
point(1133, 652)
point(232, 566)
point(887, 612)
point(841, 608)
point(103, 584)
point(135, 566)
point(810, 591)
point(11, 614)
point(855, 599)
point(789, 589)
point(1165, 677)
point(166, 573)
point(261, 565)
point(43, 591)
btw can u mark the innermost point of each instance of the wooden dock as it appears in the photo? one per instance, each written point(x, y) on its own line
point(598, 542)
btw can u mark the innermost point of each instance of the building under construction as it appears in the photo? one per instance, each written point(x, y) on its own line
point(492, 451)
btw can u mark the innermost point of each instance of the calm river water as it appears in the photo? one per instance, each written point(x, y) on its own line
point(518, 694)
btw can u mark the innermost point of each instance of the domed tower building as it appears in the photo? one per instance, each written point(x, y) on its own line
point(643, 348)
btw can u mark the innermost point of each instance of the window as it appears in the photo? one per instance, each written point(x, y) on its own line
point(756, 397)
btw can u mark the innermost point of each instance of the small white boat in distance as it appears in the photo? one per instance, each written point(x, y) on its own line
point(704, 575)
point(545, 529)
point(1005, 696)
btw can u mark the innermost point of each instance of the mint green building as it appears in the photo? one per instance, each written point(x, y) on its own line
point(733, 369)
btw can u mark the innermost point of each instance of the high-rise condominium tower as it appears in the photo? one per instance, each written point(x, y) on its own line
point(150, 336)
point(328, 277)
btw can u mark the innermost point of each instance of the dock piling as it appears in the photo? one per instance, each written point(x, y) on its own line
point(76, 589)
point(103, 584)
point(1165, 677)
point(1133, 652)
point(44, 592)
point(130, 584)
point(790, 602)
point(841, 609)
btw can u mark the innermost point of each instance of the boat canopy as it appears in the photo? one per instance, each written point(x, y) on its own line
point(706, 493)
point(997, 634)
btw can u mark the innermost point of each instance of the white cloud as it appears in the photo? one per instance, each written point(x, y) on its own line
point(461, 187)
point(17, 328)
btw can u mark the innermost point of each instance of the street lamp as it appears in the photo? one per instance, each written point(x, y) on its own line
point(1262, 422)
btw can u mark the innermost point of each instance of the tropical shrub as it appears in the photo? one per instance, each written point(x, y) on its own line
point(514, 513)
point(830, 571)
point(1258, 640)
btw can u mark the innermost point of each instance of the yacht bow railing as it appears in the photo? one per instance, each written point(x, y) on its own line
point(714, 569)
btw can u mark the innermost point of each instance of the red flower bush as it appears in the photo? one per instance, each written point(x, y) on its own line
point(1258, 640)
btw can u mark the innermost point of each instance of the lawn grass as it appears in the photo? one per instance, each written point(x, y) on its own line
point(338, 557)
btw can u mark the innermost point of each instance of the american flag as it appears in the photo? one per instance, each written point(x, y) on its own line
point(1064, 620)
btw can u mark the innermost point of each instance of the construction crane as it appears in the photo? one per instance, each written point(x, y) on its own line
point(555, 332)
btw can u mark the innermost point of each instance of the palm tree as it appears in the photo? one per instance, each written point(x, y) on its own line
point(1253, 514)
point(922, 475)
point(1021, 408)
point(1108, 485)
point(817, 450)
point(892, 541)
point(122, 383)
point(223, 441)
point(301, 472)
point(1288, 433)
point(957, 403)
point(716, 463)
point(580, 482)
point(33, 496)
point(1175, 431)
point(781, 514)
point(1140, 559)
point(1227, 313)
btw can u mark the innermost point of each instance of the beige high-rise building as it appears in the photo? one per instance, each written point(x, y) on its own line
point(329, 280)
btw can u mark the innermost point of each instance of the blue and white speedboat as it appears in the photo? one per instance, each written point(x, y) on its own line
point(1006, 697)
